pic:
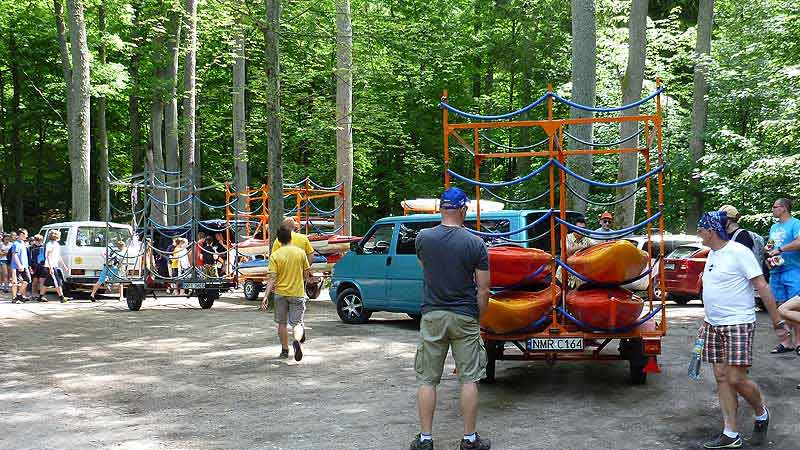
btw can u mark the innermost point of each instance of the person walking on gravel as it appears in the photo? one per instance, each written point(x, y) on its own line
point(784, 279)
point(455, 267)
point(20, 270)
point(730, 273)
point(53, 264)
point(288, 268)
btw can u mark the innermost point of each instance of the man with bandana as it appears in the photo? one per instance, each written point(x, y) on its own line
point(729, 276)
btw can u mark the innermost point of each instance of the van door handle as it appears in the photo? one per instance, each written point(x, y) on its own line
point(388, 260)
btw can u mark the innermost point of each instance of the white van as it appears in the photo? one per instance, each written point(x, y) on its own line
point(83, 247)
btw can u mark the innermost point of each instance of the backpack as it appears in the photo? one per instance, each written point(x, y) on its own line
point(758, 243)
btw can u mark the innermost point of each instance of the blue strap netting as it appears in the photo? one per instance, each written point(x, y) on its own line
point(513, 232)
point(609, 234)
point(608, 330)
point(608, 185)
point(510, 147)
point(519, 180)
point(627, 196)
point(606, 144)
point(518, 202)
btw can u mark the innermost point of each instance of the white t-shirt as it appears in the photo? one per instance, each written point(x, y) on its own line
point(727, 292)
point(52, 254)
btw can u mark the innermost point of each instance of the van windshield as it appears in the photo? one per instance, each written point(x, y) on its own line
point(96, 236)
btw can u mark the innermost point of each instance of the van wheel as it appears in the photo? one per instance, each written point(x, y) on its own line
point(251, 290)
point(350, 307)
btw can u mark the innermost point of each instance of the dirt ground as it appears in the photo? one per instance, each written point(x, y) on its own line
point(173, 376)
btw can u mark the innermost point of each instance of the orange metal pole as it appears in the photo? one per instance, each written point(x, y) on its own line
point(446, 126)
point(550, 141)
point(649, 212)
point(264, 212)
point(478, 158)
point(661, 206)
point(307, 199)
point(562, 193)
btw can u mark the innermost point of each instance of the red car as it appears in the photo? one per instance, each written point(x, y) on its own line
point(683, 270)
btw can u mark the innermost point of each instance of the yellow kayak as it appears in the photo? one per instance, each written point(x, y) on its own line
point(513, 310)
point(611, 262)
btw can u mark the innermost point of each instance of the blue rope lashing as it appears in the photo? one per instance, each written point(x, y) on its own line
point(296, 184)
point(319, 230)
point(166, 203)
point(609, 234)
point(536, 103)
point(325, 188)
point(525, 241)
point(608, 185)
point(606, 144)
point(170, 172)
point(588, 280)
point(169, 227)
point(509, 147)
point(519, 180)
point(513, 232)
point(627, 196)
point(322, 211)
point(518, 202)
point(532, 327)
point(524, 282)
point(608, 109)
point(608, 330)
point(252, 211)
point(210, 206)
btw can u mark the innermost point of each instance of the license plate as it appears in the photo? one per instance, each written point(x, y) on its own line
point(194, 285)
point(669, 266)
point(562, 344)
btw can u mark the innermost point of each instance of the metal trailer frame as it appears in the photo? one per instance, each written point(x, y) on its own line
point(641, 345)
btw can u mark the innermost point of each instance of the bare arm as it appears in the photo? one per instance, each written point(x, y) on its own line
point(482, 280)
point(767, 298)
point(269, 284)
point(790, 247)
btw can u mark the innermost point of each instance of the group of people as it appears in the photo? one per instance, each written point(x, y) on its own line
point(28, 265)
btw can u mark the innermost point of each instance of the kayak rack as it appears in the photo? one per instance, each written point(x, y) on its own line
point(640, 344)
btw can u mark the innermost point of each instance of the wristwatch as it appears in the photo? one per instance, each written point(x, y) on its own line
point(779, 325)
point(780, 250)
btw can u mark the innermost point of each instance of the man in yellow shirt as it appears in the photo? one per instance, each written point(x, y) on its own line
point(299, 240)
point(288, 267)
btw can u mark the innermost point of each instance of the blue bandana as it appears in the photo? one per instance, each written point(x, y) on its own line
point(453, 198)
point(716, 221)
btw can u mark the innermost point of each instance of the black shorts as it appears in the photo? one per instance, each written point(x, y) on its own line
point(56, 279)
point(21, 275)
point(40, 272)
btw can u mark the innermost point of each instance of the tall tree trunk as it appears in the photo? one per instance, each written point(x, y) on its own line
point(137, 155)
point(39, 161)
point(344, 112)
point(16, 144)
point(171, 160)
point(79, 126)
point(239, 120)
point(625, 212)
point(102, 134)
point(155, 160)
point(584, 80)
point(66, 66)
point(2, 145)
point(702, 51)
point(190, 104)
point(273, 103)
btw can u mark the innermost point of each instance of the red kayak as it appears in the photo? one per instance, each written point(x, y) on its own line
point(513, 266)
point(605, 307)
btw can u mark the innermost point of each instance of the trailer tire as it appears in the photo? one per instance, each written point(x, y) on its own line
point(134, 296)
point(634, 352)
point(206, 297)
point(492, 354)
point(252, 289)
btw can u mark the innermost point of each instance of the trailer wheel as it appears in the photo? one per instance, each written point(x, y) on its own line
point(206, 297)
point(134, 296)
point(493, 352)
point(634, 352)
point(313, 289)
point(251, 290)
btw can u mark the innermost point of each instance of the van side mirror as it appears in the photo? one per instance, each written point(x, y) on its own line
point(355, 246)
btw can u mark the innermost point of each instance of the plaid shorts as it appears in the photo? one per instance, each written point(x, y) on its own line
point(728, 344)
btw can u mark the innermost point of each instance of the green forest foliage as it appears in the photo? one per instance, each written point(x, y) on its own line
point(492, 57)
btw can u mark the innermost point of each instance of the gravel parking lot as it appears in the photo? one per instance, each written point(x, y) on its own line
point(173, 376)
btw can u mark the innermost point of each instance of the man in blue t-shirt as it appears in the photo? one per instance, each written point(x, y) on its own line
point(20, 273)
point(784, 240)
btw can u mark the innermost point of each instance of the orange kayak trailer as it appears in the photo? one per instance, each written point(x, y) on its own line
point(605, 308)
point(516, 310)
point(614, 262)
point(517, 266)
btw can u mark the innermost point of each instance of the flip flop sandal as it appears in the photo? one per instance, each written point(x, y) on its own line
point(781, 349)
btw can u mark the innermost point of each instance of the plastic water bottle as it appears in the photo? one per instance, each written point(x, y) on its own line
point(694, 364)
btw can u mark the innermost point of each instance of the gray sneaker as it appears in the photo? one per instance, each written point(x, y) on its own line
point(478, 444)
point(760, 430)
point(416, 444)
point(723, 441)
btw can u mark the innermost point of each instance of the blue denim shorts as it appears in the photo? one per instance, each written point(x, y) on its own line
point(785, 284)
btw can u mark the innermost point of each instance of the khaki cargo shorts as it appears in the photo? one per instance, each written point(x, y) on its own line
point(291, 309)
point(443, 330)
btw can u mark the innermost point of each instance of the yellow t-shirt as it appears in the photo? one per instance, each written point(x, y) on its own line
point(298, 240)
point(288, 264)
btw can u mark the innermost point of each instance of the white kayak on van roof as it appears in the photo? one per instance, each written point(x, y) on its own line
point(431, 205)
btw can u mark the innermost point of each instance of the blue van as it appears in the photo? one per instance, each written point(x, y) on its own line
point(381, 271)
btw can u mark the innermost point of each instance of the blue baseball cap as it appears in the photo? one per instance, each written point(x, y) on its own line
point(453, 198)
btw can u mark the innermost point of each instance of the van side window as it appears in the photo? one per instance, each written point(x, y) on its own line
point(378, 242)
point(406, 241)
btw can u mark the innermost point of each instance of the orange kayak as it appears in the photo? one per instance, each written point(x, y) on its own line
point(511, 266)
point(610, 262)
point(605, 307)
point(514, 310)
